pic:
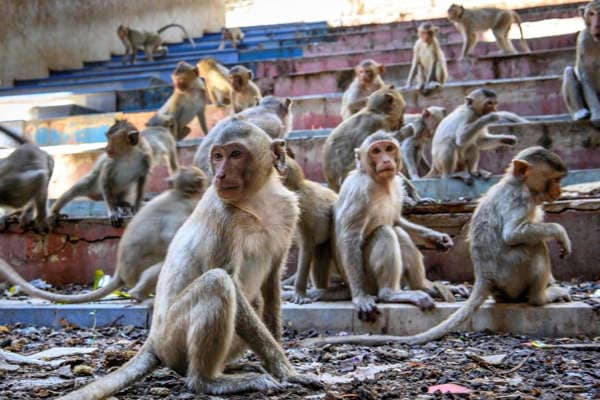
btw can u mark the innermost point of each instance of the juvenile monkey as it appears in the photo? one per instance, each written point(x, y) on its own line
point(422, 130)
point(162, 144)
point(470, 21)
point(225, 258)
point(150, 42)
point(234, 35)
point(118, 175)
point(462, 134)
point(582, 84)
point(187, 101)
point(216, 77)
point(24, 178)
point(245, 93)
point(507, 243)
point(367, 80)
point(144, 243)
point(429, 61)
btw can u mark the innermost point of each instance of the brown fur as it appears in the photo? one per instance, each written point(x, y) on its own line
point(234, 35)
point(245, 93)
point(216, 77)
point(429, 62)
point(150, 42)
point(367, 80)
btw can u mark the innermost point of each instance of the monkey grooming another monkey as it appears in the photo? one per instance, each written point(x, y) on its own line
point(24, 178)
point(187, 101)
point(245, 93)
point(470, 21)
point(234, 35)
point(429, 62)
point(118, 174)
point(367, 80)
point(581, 85)
point(462, 134)
point(150, 42)
point(144, 243)
point(507, 243)
point(216, 77)
point(225, 258)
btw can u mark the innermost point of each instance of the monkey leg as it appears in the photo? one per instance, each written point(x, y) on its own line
point(202, 120)
point(573, 95)
point(540, 291)
point(472, 163)
point(470, 41)
point(146, 283)
point(80, 188)
point(305, 257)
point(501, 35)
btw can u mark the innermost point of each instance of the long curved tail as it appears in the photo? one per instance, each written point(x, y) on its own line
point(7, 272)
point(523, 41)
point(136, 368)
point(476, 299)
point(187, 36)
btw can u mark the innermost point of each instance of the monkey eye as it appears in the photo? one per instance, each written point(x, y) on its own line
point(236, 154)
point(376, 150)
point(217, 156)
point(389, 148)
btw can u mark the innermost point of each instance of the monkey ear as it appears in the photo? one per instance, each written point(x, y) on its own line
point(469, 101)
point(134, 137)
point(581, 10)
point(435, 29)
point(250, 75)
point(278, 148)
point(426, 113)
point(357, 157)
point(389, 99)
point(520, 169)
point(288, 102)
point(381, 69)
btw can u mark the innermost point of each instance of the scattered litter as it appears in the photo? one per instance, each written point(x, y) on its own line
point(59, 352)
point(571, 346)
point(448, 388)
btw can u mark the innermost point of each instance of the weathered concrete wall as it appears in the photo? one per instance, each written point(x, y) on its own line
point(37, 35)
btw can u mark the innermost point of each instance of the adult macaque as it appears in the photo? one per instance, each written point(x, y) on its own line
point(582, 84)
point(470, 21)
point(429, 62)
point(162, 144)
point(144, 243)
point(508, 245)
point(24, 178)
point(422, 131)
point(150, 42)
point(216, 77)
point(384, 110)
point(372, 244)
point(234, 35)
point(273, 115)
point(245, 93)
point(118, 177)
point(187, 101)
point(367, 80)
point(224, 261)
point(462, 134)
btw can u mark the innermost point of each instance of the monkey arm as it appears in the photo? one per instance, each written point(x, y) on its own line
point(468, 132)
point(519, 230)
point(589, 92)
point(349, 247)
point(431, 76)
point(413, 67)
point(490, 142)
point(418, 230)
point(409, 152)
point(107, 193)
point(357, 105)
point(271, 293)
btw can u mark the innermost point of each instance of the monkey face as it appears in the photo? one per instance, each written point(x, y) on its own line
point(592, 20)
point(383, 159)
point(542, 180)
point(237, 81)
point(490, 105)
point(180, 81)
point(231, 164)
point(426, 36)
point(366, 75)
point(455, 12)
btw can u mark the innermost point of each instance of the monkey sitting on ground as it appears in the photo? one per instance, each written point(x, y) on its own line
point(462, 134)
point(161, 142)
point(367, 80)
point(470, 21)
point(429, 61)
point(118, 174)
point(581, 85)
point(150, 42)
point(24, 178)
point(234, 35)
point(187, 101)
point(245, 93)
point(218, 292)
point(144, 243)
point(216, 77)
point(508, 245)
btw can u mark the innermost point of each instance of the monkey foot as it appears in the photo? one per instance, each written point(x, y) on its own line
point(300, 298)
point(309, 381)
point(582, 114)
point(234, 384)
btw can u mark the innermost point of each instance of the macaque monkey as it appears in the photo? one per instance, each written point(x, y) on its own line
point(582, 84)
point(422, 130)
point(162, 144)
point(150, 42)
point(245, 93)
point(470, 21)
point(273, 115)
point(372, 242)
point(507, 238)
point(218, 292)
point(429, 61)
point(367, 80)
point(144, 243)
point(187, 101)
point(384, 110)
point(216, 77)
point(234, 35)
point(118, 175)
point(24, 178)
point(462, 134)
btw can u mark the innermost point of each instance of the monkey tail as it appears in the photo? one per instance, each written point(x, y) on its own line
point(476, 299)
point(135, 369)
point(13, 135)
point(7, 272)
point(187, 35)
point(523, 41)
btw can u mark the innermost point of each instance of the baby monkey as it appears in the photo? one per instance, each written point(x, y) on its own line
point(429, 62)
point(234, 35)
point(245, 93)
point(507, 238)
point(150, 42)
point(367, 80)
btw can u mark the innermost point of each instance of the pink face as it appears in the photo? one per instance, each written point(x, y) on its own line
point(230, 164)
point(366, 75)
point(382, 158)
point(592, 17)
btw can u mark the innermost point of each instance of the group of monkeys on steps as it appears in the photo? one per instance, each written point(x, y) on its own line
point(213, 253)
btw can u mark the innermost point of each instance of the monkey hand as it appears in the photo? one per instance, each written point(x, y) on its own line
point(365, 306)
point(116, 219)
point(441, 241)
point(307, 380)
point(563, 240)
point(300, 298)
